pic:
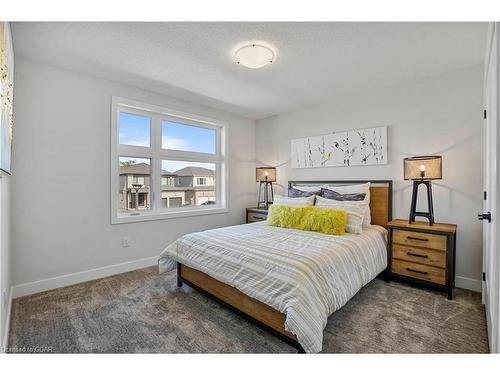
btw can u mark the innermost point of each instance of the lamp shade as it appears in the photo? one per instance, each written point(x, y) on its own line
point(264, 174)
point(423, 168)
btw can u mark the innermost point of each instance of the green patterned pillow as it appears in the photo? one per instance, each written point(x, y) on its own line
point(310, 218)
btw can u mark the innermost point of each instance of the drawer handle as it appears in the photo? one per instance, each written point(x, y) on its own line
point(416, 255)
point(259, 217)
point(417, 238)
point(422, 272)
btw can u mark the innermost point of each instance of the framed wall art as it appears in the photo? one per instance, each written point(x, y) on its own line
point(341, 149)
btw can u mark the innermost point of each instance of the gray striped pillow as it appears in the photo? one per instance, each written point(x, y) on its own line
point(332, 194)
point(296, 193)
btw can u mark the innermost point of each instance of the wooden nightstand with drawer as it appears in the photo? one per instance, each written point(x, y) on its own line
point(423, 254)
point(256, 214)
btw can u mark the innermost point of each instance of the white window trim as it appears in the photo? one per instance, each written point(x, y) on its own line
point(156, 152)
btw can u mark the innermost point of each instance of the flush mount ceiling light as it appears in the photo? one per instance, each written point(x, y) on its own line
point(254, 55)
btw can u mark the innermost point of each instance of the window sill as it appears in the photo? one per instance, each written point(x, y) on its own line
point(148, 216)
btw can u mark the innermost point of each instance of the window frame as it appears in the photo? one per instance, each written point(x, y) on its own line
point(156, 153)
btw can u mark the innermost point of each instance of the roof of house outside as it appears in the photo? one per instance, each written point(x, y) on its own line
point(141, 169)
point(194, 171)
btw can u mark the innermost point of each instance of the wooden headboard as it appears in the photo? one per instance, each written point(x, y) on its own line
point(380, 196)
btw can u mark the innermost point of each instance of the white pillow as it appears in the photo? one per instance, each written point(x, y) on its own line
point(361, 188)
point(302, 201)
point(355, 212)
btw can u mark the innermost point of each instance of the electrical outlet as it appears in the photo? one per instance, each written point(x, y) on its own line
point(126, 241)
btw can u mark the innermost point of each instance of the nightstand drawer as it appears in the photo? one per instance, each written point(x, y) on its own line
point(419, 271)
point(421, 239)
point(253, 217)
point(424, 256)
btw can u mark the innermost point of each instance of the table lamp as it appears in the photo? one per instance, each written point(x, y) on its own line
point(266, 176)
point(422, 169)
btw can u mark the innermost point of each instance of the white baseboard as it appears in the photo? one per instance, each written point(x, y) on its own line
point(470, 284)
point(80, 277)
point(5, 338)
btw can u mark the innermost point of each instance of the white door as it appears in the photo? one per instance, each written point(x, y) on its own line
point(490, 246)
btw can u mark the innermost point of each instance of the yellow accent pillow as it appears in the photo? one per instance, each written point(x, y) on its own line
point(310, 218)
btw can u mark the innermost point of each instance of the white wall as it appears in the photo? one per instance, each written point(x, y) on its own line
point(441, 115)
point(5, 256)
point(61, 206)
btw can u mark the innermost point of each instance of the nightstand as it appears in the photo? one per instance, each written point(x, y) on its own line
point(422, 254)
point(256, 214)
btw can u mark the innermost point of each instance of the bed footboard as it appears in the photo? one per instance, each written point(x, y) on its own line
point(264, 316)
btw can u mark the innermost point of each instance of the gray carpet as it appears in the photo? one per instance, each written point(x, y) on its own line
point(142, 311)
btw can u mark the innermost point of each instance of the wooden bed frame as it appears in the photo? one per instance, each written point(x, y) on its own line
point(265, 316)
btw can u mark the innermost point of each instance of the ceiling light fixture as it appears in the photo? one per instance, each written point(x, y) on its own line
point(254, 55)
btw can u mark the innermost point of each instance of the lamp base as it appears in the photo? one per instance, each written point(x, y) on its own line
point(413, 211)
point(268, 191)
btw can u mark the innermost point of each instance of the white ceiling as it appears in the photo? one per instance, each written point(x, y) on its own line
point(316, 61)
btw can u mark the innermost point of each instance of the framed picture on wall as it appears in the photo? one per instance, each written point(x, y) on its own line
point(341, 149)
point(6, 96)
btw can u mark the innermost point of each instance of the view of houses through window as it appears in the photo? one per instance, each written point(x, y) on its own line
point(184, 187)
point(135, 184)
point(135, 173)
point(185, 184)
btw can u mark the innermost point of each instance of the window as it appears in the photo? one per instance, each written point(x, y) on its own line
point(176, 136)
point(135, 130)
point(194, 191)
point(165, 163)
point(139, 180)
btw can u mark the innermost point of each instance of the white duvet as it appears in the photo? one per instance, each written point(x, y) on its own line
point(305, 275)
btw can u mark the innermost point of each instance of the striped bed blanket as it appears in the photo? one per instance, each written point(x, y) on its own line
point(305, 275)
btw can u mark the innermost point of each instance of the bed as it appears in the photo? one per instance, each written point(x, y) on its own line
point(286, 281)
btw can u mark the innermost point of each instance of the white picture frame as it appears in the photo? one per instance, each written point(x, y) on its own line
point(341, 149)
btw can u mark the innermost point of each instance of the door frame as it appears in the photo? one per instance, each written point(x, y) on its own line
point(491, 257)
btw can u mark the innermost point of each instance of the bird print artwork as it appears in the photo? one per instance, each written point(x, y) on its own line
point(345, 148)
